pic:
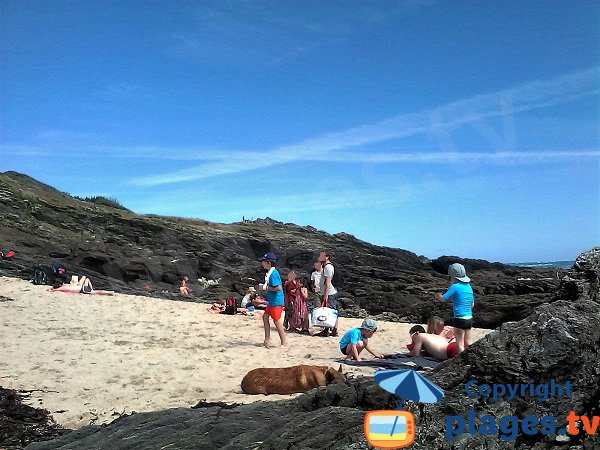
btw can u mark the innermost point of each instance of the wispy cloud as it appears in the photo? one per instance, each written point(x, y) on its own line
point(272, 204)
point(223, 32)
point(266, 32)
point(445, 157)
point(472, 111)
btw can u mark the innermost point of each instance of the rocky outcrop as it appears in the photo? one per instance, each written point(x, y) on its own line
point(583, 280)
point(559, 341)
point(21, 424)
point(149, 255)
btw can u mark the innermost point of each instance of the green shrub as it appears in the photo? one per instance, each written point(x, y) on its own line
point(104, 201)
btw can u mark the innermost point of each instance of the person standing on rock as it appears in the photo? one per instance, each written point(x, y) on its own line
point(327, 290)
point(463, 299)
point(274, 288)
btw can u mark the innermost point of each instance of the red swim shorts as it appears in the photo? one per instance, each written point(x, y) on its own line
point(274, 311)
point(452, 349)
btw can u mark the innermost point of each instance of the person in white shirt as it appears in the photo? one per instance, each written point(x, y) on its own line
point(315, 278)
point(248, 297)
point(327, 289)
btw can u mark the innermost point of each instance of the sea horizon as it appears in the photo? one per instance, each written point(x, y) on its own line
point(566, 264)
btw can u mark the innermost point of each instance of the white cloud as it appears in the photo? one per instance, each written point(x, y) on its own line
point(475, 110)
point(445, 157)
point(272, 203)
point(265, 32)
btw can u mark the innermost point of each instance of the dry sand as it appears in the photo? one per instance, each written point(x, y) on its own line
point(90, 358)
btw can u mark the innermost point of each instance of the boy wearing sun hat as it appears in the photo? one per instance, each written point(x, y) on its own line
point(355, 340)
point(461, 293)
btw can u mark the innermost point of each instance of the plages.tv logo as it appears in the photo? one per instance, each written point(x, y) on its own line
point(509, 427)
point(396, 428)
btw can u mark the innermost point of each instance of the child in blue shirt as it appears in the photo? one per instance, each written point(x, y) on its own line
point(355, 340)
point(274, 288)
point(461, 293)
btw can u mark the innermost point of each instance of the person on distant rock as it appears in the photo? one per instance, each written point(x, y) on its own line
point(315, 278)
point(327, 289)
point(356, 340)
point(290, 288)
point(463, 299)
point(274, 288)
point(184, 289)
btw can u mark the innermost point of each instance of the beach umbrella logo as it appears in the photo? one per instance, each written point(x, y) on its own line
point(409, 384)
point(396, 428)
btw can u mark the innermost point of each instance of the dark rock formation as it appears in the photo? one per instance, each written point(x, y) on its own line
point(148, 255)
point(583, 280)
point(21, 424)
point(559, 341)
point(321, 419)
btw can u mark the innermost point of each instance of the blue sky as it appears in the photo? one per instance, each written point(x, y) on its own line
point(441, 127)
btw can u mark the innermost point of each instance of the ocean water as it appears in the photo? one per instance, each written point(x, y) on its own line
point(546, 265)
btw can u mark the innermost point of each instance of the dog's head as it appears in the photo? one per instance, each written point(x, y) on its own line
point(333, 376)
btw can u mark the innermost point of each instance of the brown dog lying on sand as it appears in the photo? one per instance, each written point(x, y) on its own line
point(289, 380)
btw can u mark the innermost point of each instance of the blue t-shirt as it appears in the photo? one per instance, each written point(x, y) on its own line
point(352, 337)
point(275, 298)
point(462, 300)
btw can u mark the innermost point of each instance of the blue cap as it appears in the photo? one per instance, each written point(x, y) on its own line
point(268, 257)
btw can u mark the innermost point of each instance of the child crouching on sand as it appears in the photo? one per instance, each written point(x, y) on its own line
point(274, 288)
point(355, 340)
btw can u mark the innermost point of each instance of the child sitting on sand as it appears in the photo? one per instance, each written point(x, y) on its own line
point(355, 340)
point(274, 288)
point(461, 293)
point(248, 297)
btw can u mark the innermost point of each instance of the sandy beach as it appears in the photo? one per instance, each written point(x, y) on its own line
point(91, 358)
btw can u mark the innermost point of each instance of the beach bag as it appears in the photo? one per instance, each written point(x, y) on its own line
point(230, 306)
point(324, 317)
point(39, 277)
